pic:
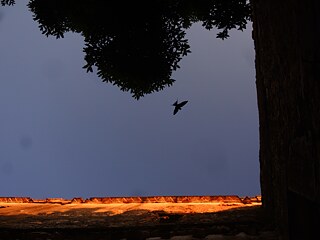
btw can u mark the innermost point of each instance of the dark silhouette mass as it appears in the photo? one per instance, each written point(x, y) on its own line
point(7, 2)
point(286, 36)
point(136, 45)
point(178, 106)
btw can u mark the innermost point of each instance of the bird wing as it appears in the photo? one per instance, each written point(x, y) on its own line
point(176, 109)
point(175, 103)
point(182, 103)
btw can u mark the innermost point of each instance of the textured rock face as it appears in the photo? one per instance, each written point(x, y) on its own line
point(139, 218)
point(152, 199)
point(172, 199)
point(15, 200)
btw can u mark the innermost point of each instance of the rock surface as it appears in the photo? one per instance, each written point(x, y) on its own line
point(195, 217)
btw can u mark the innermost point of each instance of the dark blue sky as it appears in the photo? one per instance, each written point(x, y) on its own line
point(64, 133)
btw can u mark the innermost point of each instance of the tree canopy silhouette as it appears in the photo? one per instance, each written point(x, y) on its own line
point(136, 45)
point(7, 2)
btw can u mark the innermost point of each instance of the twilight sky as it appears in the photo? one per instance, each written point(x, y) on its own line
point(65, 133)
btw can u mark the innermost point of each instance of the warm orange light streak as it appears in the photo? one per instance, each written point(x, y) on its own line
point(118, 205)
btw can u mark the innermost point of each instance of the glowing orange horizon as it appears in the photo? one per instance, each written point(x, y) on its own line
point(10, 206)
point(138, 199)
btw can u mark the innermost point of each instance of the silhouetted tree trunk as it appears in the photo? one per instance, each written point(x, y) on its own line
point(287, 37)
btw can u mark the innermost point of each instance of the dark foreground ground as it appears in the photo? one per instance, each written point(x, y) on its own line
point(191, 219)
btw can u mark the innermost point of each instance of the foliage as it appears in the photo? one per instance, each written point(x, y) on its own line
point(136, 45)
point(7, 2)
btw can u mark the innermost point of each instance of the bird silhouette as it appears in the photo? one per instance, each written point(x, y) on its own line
point(178, 106)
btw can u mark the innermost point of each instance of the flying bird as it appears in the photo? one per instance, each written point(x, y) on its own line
point(178, 106)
